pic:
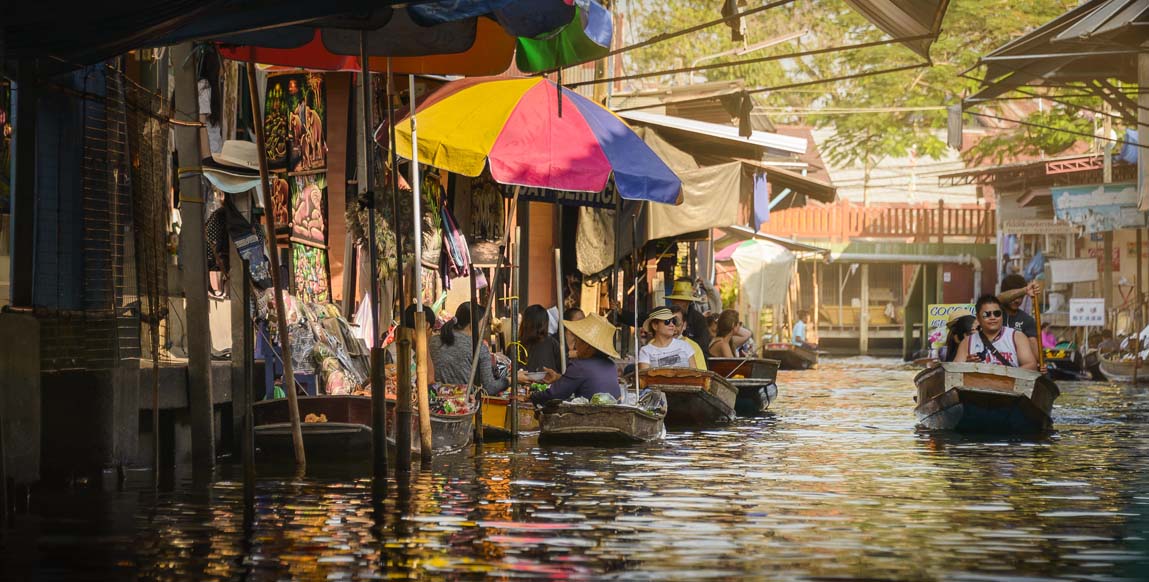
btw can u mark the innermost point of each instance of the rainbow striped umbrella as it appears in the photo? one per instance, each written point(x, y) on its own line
point(531, 138)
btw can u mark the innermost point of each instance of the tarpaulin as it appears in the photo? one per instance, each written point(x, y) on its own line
point(764, 269)
point(710, 199)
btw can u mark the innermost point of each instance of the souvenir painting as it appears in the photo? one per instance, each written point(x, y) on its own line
point(308, 195)
point(276, 110)
point(280, 199)
point(309, 265)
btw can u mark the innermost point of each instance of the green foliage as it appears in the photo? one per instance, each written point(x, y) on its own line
point(1032, 141)
point(971, 29)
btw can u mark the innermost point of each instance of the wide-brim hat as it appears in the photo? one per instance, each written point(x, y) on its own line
point(661, 314)
point(595, 330)
point(238, 154)
point(682, 291)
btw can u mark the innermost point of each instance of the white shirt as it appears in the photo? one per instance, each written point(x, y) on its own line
point(1005, 346)
point(675, 355)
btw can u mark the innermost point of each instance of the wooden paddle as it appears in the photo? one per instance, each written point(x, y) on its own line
point(1040, 343)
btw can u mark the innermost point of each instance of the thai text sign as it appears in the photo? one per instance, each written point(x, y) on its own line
point(1100, 208)
point(938, 315)
point(1085, 311)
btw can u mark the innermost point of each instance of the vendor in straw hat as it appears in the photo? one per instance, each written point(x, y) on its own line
point(695, 321)
point(591, 370)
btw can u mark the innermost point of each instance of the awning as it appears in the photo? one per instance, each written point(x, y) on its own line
point(769, 141)
point(905, 18)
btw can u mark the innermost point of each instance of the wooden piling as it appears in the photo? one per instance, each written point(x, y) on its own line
point(421, 383)
point(864, 315)
point(193, 263)
point(403, 402)
point(276, 280)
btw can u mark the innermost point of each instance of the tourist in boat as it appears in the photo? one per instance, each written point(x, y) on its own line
point(664, 349)
point(451, 354)
point(694, 320)
point(679, 316)
point(727, 335)
point(800, 336)
point(959, 328)
point(591, 370)
point(1014, 290)
point(569, 314)
point(994, 343)
point(542, 350)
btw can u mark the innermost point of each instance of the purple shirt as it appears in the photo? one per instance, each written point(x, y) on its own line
point(584, 377)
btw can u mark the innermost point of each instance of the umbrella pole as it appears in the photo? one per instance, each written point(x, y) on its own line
point(515, 282)
point(276, 282)
point(616, 298)
point(378, 369)
point(637, 339)
point(421, 379)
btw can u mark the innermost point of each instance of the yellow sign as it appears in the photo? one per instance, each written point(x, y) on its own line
point(938, 315)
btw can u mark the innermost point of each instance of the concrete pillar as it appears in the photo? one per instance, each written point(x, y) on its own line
point(193, 265)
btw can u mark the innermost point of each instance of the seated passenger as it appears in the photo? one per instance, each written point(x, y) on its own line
point(679, 318)
point(451, 353)
point(591, 370)
point(664, 350)
point(994, 343)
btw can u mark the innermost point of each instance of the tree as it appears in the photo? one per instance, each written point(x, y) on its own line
point(971, 29)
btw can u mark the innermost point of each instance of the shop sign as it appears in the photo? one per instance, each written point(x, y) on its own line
point(938, 315)
point(1099, 208)
point(1038, 226)
point(1086, 311)
point(1098, 252)
point(604, 199)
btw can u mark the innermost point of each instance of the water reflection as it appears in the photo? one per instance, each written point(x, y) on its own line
point(834, 483)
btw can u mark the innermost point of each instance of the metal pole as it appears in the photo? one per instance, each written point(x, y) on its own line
point(367, 188)
point(559, 307)
point(514, 254)
point(277, 284)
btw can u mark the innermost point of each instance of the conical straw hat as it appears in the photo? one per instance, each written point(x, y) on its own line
point(595, 330)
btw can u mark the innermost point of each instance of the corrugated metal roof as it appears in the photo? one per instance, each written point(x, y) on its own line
point(763, 139)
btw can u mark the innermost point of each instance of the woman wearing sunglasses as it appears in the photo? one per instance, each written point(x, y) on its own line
point(664, 350)
point(994, 343)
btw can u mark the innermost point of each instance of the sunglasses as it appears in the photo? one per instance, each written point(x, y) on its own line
point(673, 322)
point(994, 313)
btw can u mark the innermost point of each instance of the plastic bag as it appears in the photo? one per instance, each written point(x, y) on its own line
point(578, 400)
point(603, 399)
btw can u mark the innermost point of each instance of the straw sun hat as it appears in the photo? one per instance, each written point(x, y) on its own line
point(595, 330)
point(661, 314)
point(683, 291)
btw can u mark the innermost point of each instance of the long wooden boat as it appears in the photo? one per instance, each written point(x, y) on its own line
point(566, 423)
point(694, 398)
point(973, 397)
point(755, 379)
point(497, 417)
point(792, 357)
point(341, 427)
point(1065, 364)
point(1122, 370)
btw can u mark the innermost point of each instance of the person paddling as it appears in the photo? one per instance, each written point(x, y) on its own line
point(994, 343)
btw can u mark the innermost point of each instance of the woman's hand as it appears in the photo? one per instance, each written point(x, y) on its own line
point(551, 375)
point(523, 379)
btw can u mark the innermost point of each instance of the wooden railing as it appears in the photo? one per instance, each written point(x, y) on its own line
point(918, 223)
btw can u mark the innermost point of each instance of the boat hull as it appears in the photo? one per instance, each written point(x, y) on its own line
point(497, 418)
point(694, 398)
point(984, 398)
point(755, 379)
point(791, 357)
point(346, 434)
point(1123, 371)
point(591, 424)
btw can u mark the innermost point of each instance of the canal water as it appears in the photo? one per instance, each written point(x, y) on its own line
point(833, 484)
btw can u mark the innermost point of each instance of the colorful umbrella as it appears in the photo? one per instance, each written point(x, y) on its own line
point(530, 136)
point(456, 37)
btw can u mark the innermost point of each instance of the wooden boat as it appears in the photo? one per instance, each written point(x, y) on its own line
point(694, 398)
point(792, 357)
point(755, 379)
point(449, 432)
point(1122, 370)
point(1093, 365)
point(497, 417)
point(563, 422)
point(345, 431)
point(971, 397)
point(1065, 364)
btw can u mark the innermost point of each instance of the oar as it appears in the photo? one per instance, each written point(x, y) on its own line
point(1040, 344)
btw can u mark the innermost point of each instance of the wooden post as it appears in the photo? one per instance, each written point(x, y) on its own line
point(403, 402)
point(276, 281)
point(841, 286)
point(421, 383)
point(559, 308)
point(193, 267)
point(241, 333)
point(816, 287)
point(864, 316)
point(476, 341)
point(514, 318)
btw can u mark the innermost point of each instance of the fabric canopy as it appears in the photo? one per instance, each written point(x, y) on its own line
point(764, 269)
point(710, 199)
